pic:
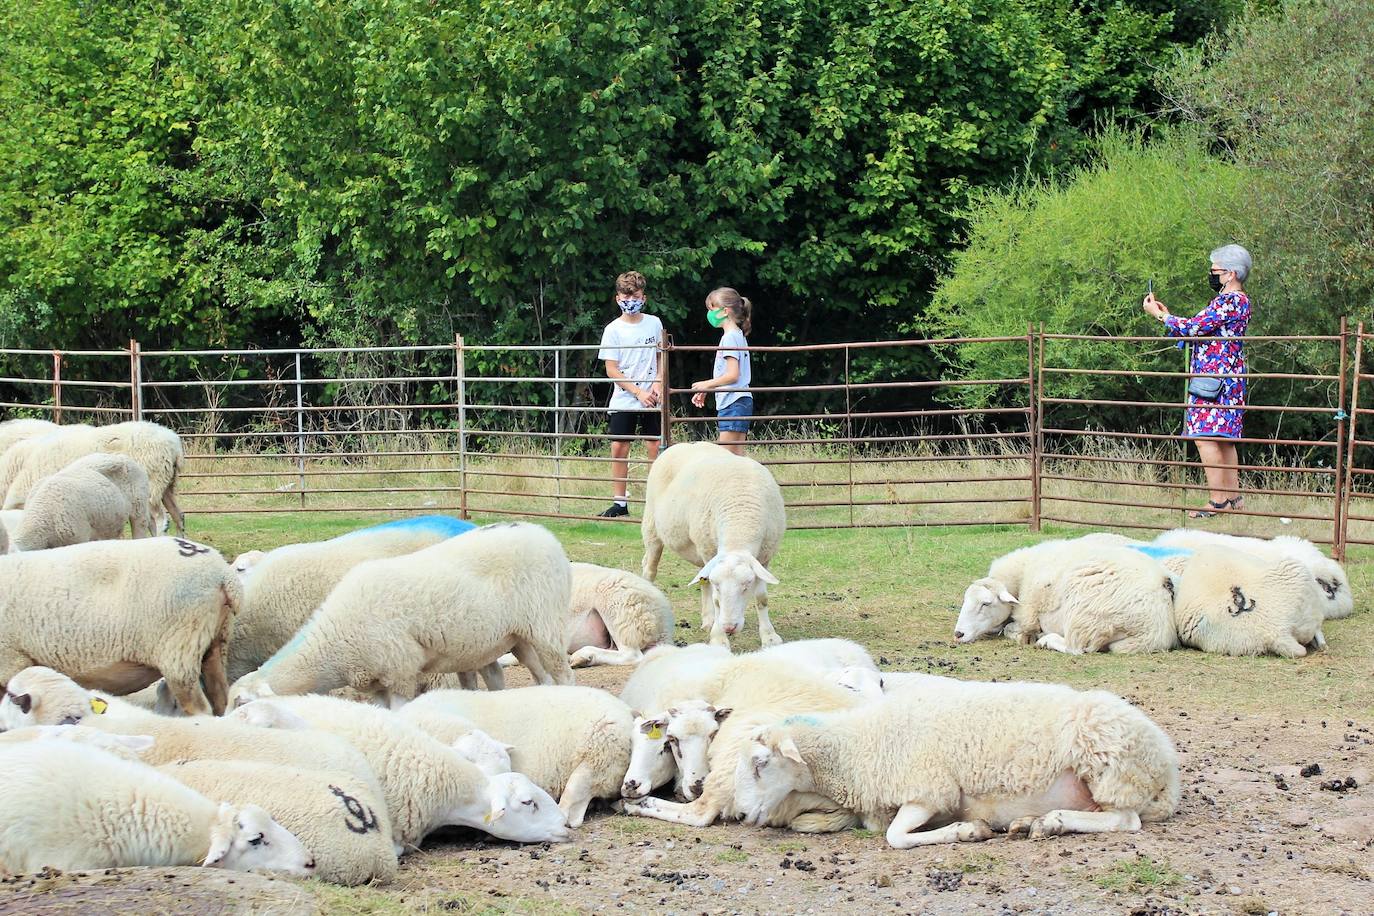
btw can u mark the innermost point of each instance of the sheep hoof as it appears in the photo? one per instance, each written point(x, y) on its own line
point(639, 807)
point(1021, 825)
point(973, 832)
point(1045, 826)
point(579, 660)
point(772, 639)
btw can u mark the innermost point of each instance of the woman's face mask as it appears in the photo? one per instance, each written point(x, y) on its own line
point(716, 317)
point(1214, 280)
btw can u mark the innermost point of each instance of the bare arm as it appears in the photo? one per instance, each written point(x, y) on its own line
point(647, 397)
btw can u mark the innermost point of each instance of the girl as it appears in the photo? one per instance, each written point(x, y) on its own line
point(728, 310)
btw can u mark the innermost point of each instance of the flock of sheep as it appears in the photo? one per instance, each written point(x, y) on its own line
point(313, 709)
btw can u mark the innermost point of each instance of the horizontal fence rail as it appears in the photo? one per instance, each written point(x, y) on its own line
point(868, 439)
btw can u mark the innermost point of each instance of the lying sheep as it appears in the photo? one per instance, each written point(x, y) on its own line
point(339, 818)
point(156, 449)
point(478, 748)
point(116, 615)
point(760, 692)
point(127, 747)
point(10, 520)
point(91, 499)
point(453, 607)
point(1336, 599)
point(14, 431)
point(72, 807)
point(673, 745)
point(574, 742)
point(283, 587)
point(427, 785)
point(1089, 597)
point(616, 616)
point(1232, 603)
point(874, 685)
point(1038, 758)
point(723, 512)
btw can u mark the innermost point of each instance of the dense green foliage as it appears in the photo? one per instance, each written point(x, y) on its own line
point(238, 171)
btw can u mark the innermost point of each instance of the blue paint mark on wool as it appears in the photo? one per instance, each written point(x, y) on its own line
point(445, 525)
point(1159, 551)
point(802, 720)
point(293, 644)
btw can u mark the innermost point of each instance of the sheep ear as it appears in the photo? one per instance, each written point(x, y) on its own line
point(221, 836)
point(762, 571)
point(705, 571)
point(23, 700)
point(723, 713)
point(788, 748)
point(497, 812)
point(1006, 597)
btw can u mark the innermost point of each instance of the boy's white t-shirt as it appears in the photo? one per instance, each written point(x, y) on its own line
point(633, 347)
point(733, 338)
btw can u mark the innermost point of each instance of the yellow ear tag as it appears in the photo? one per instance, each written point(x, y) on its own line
point(656, 732)
point(486, 818)
point(98, 706)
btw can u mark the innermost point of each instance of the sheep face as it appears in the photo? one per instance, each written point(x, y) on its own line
point(250, 687)
point(766, 773)
point(866, 682)
point(690, 727)
point(484, 752)
point(522, 812)
point(42, 696)
point(247, 839)
point(266, 714)
point(987, 608)
point(736, 577)
point(651, 760)
point(246, 561)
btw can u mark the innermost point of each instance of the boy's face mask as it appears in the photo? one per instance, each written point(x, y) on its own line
point(631, 306)
point(716, 317)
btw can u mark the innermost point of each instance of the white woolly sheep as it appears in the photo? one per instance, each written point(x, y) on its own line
point(156, 449)
point(10, 520)
point(874, 685)
point(574, 742)
point(1233, 603)
point(283, 587)
point(453, 607)
point(91, 499)
point(760, 692)
point(426, 784)
point(1040, 758)
point(1336, 598)
point(129, 747)
point(247, 560)
point(478, 748)
point(339, 818)
point(616, 616)
point(723, 512)
point(116, 615)
point(75, 807)
point(1079, 597)
point(14, 431)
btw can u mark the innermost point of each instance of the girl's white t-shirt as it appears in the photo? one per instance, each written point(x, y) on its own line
point(633, 348)
point(730, 339)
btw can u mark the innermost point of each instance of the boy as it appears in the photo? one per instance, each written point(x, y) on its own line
point(629, 347)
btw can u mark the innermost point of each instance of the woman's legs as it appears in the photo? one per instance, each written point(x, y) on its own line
point(1219, 463)
point(1230, 465)
point(733, 441)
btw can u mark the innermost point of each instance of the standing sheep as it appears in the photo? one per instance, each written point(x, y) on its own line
point(723, 512)
point(1235, 604)
point(573, 742)
point(91, 499)
point(454, 607)
point(616, 616)
point(116, 615)
point(339, 818)
point(156, 449)
point(1037, 758)
point(15, 431)
point(283, 587)
point(73, 807)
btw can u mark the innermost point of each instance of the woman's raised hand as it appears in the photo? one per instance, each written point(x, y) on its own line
point(1153, 307)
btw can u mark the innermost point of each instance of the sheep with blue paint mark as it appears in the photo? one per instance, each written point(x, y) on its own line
point(283, 587)
point(1092, 594)
point(453, 607)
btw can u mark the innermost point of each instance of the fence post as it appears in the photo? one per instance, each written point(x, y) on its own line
point(558, 431)
point(1352, 430)
point(135, 381)
point(57, 386)
point(849, 435)
point(460, 370)
point(1338, 513)
point(300, 430)
point(1036, 342)
point(665, 404)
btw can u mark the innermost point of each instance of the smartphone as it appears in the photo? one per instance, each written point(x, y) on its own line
point(1150, 287)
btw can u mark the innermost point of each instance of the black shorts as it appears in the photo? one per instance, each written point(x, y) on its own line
point(627, 423)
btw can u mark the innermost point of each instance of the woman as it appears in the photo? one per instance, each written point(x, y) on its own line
point(1210, 422)
point(733, 314)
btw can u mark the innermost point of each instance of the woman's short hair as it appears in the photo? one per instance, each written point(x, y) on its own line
point(1233, 257)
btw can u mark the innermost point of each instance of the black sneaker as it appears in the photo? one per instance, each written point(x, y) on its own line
point(615, 511)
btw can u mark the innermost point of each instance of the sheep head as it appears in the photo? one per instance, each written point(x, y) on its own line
point(688, 731)
point(736, 576)
point(770, 769)
point(520, 811)
point(484, 752)
point(987, 608)
point(247, 839)
point(42, 696)
point(866, 682)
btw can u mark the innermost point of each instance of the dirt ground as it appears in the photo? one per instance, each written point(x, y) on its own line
point(1253, 835)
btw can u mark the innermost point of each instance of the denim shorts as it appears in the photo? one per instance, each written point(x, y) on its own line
point(727, 415)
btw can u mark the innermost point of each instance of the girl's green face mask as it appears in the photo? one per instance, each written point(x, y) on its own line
point(716, 317)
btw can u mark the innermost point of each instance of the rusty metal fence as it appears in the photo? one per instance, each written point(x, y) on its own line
point(873, 442)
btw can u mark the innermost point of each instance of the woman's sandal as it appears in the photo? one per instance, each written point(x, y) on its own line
point(1204, 513)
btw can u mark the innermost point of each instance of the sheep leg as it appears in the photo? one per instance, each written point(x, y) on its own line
point(1288, 647)
point(594, 655)
point(530, 659)
point(493, 676)
point(1057, 643)
point(1063, 820)
point(653, 552)
point(169, 500)
point(1318, 642)
point(216, 681)
point(767, 635)
point(468, 679)
point(700, 813)
point(188, 694)
point(555, 662)
point(577, 795)
point(903, 832)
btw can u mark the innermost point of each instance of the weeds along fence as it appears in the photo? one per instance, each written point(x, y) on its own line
point(873, 441)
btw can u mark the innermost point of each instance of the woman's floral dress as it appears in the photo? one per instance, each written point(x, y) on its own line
point(1225, 316)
